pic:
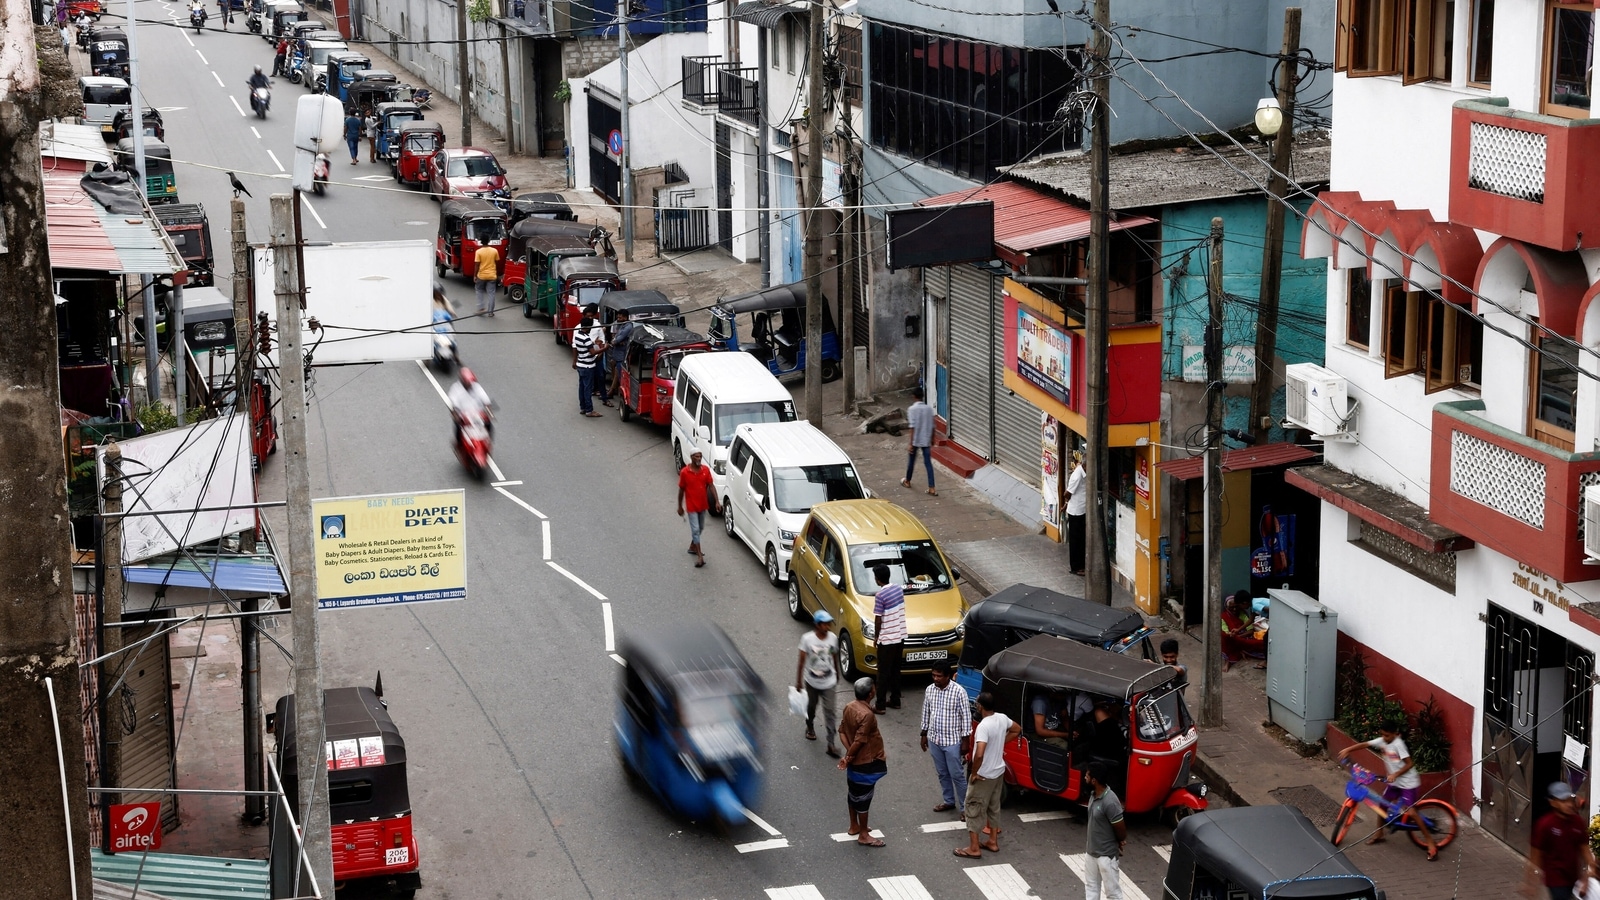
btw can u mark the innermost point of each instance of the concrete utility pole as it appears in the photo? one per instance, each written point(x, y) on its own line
point(309, 731)
point(1272, 255)
point(813, 204)
point(110, 566)
point(1097, 573)
point(244, 349)
point(152, 351)
point(463, 75)
point(763, 166)
point(512, 145)
point(46, 846)
point(1211, 699)
point(623, 10)
point(850, 184)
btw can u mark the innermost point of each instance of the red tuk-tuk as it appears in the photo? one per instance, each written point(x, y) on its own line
point(369, 804)
point(464, 226)
point(418, 142)
point(514, 278)
point(263, 428)
point(1149, 737)
point(650, 370)
point(581, 281)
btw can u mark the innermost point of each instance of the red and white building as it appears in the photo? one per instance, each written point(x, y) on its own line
point(1453, 491)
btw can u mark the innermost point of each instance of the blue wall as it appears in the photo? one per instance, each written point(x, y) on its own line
point(1302, 300)
point(659, 16)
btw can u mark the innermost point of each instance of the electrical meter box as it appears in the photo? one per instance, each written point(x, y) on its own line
point(1301, 644)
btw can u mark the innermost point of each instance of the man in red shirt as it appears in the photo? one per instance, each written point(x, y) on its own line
point(695, 496)
point(1559, 855)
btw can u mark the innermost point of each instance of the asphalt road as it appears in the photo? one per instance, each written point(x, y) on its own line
point(506, 699)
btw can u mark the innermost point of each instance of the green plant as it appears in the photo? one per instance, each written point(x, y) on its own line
point(1360, 705)
point(480, 10)
point(563, 91)
point(156, 417)
point(1427, 742)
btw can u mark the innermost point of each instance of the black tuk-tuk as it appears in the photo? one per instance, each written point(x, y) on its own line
point(122, 124)
point(283, 17)
point(369, 804)
point(190, 231)
point(1021, 611)
point(464, 226)
point(1260, 853)
point(370, 88)
point(547, 205)
point(641, 306)
point(161, 183)
point(391, 116)
point(108, 53)
point(777, 330)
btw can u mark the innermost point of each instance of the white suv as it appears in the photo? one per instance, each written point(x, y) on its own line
point(775, 473)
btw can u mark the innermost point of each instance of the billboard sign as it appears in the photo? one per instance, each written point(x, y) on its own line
point(201, 466)
point(1040, 351)
point(373, 300)
point(385, 549)
point(135, 827)
point(940, 235)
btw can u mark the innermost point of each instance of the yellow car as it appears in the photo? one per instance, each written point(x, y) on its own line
point(839, 545)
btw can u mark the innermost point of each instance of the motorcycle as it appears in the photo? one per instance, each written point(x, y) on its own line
point(444, 353)
point(473, 443)
point(319, 174)
point(197, 18)
point(260, 99)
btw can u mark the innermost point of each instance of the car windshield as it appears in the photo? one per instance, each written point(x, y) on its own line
point(485, 230)
point(667, 365)
point(914, 565)
point(798, 488)
point(589, 294)
point(731, 415)
point(420, 142)
point(108, 94)
point(1161, 717)
point(472, 167)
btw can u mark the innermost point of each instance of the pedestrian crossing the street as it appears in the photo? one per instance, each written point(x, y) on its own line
point(993, 882)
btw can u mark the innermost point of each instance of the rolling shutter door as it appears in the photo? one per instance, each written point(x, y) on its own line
point(971, 346)
point(141, 713)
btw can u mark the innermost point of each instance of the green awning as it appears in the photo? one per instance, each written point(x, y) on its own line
point(181, 877)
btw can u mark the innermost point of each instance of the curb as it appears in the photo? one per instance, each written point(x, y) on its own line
point(1215, 783)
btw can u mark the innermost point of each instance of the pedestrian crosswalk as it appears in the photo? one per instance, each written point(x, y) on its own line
point(993, 882)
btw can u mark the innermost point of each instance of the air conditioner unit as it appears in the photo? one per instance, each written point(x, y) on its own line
point(1317, 399)
point(1591, 524)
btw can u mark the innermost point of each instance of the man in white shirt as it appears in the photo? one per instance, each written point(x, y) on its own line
point(1077, 507)
point(986, 777)
point(468, 400)
point(817, 671)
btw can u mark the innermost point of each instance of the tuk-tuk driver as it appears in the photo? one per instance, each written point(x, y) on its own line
point(1049, 720)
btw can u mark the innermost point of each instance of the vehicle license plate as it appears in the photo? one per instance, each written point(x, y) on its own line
point(396, 856)
point(926, 655)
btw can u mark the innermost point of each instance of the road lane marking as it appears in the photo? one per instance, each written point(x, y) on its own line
point(324, 226)
point(760, 822)
point(253, 129)
point(1164, 851)
point(581, 583)
point(1000, 882)
point(219, 81)
point(1079, 863)
point(620, 661)
point(308, 206)
point(236, 104)
point(900, 887)
point(544, 527)
point(611, 636)
point(203, 60)
point(932, 827)
point(374, 178)
point(843, 836)
point(185, 34)
point(493, 466)
point(753, 846)
point(798, 892)
point(522, 503)
point(1045, 816)
point(503, 483)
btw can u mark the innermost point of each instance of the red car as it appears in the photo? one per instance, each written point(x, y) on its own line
point(468, 172)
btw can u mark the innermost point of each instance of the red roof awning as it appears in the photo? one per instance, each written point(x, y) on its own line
point(1025, 219)
point(1263, 457)
point(76, 238)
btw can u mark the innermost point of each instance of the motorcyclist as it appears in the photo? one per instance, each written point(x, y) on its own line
point(198, 8)
point(258, 80)
point(468, 399)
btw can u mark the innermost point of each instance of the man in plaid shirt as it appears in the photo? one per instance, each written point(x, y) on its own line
point(946, 723)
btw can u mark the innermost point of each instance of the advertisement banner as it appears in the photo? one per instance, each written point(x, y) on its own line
point(1043, 352)
point(385, 549)
point(135, 826)
point(1050, 470)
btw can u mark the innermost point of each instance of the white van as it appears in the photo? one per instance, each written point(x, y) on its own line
point(776, 472)
point(103, 98)
point(716, 393)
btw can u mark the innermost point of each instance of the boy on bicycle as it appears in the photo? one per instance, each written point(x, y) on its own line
point(1403, 783)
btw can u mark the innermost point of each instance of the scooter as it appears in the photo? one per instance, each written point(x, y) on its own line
point(444, 353)
point(319, 174)
point(197, 18)
point(260, 99)
point(473, 443)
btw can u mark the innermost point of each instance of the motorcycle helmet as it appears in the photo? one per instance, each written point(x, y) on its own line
point(467, 378)
point(258, 70)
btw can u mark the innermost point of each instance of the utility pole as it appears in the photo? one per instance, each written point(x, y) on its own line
point(1097, 580)
point(463, 75)
point(763, 166)
point(152, 350)
point(110, 567)
point(1211, 699)
point(624, 9)
point(1272, 255)
point(849, 185)
point(244, 349)
point(180, 354)
point(512, 145)
point(813, 204)
point(46, 841)
point(309, 730)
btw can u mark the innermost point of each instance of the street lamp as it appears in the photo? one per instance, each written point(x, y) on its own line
point(1269, 117)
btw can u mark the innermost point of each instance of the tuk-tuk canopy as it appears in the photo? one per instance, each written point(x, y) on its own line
point(350, 59)
point(153, 149)
point(548, 244)
point(533, 227)
point(651, 336)
point(371, 784)
point(1261, 849)
point(783, 296)
point(584, 266)
point(1054, 662)
point(419, 127)
point(465, 208)
point(663, 654)
point(398, 108)
point(350, 713)
point(546, 205)
point(1022, 610)
point(637, 303)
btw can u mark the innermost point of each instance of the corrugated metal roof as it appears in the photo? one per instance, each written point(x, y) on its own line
point(1025, 219)
point(1262, 457)
point(185, 877)
point(69, 140)
point(83, 235)
point(110, 890)
point(249, 576)
point(1151, 178)
point(765, 14)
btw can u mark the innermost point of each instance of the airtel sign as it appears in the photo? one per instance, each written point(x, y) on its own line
point(135, 826)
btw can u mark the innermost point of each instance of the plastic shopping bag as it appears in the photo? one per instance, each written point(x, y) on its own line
point(797, 702)
point(1586, 889)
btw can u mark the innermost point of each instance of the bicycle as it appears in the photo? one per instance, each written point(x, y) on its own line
point(1438, 815)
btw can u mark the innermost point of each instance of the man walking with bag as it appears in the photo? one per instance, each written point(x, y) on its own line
point(695, 496)
point(818, 672)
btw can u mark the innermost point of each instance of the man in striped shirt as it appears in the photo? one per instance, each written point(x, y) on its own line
point(889, 632)
point(585, 354)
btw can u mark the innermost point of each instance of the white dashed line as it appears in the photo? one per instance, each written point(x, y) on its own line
point(236, 104)
point(760, 822)
point(753, 846)
point(1045, 816)
point(203, 60)
point(544, 527)
point(611, 637)
point(319, 221)
point(186, 37)
point(503, 483)
point(900, 887)
point(518, 500)
point(619, 659)
point(252, 128)
point(844, 836)
point(932, 827)
point(798, 892)
point(219, 81)
point(493, 466)
point(324, 226)
point(580, 583)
